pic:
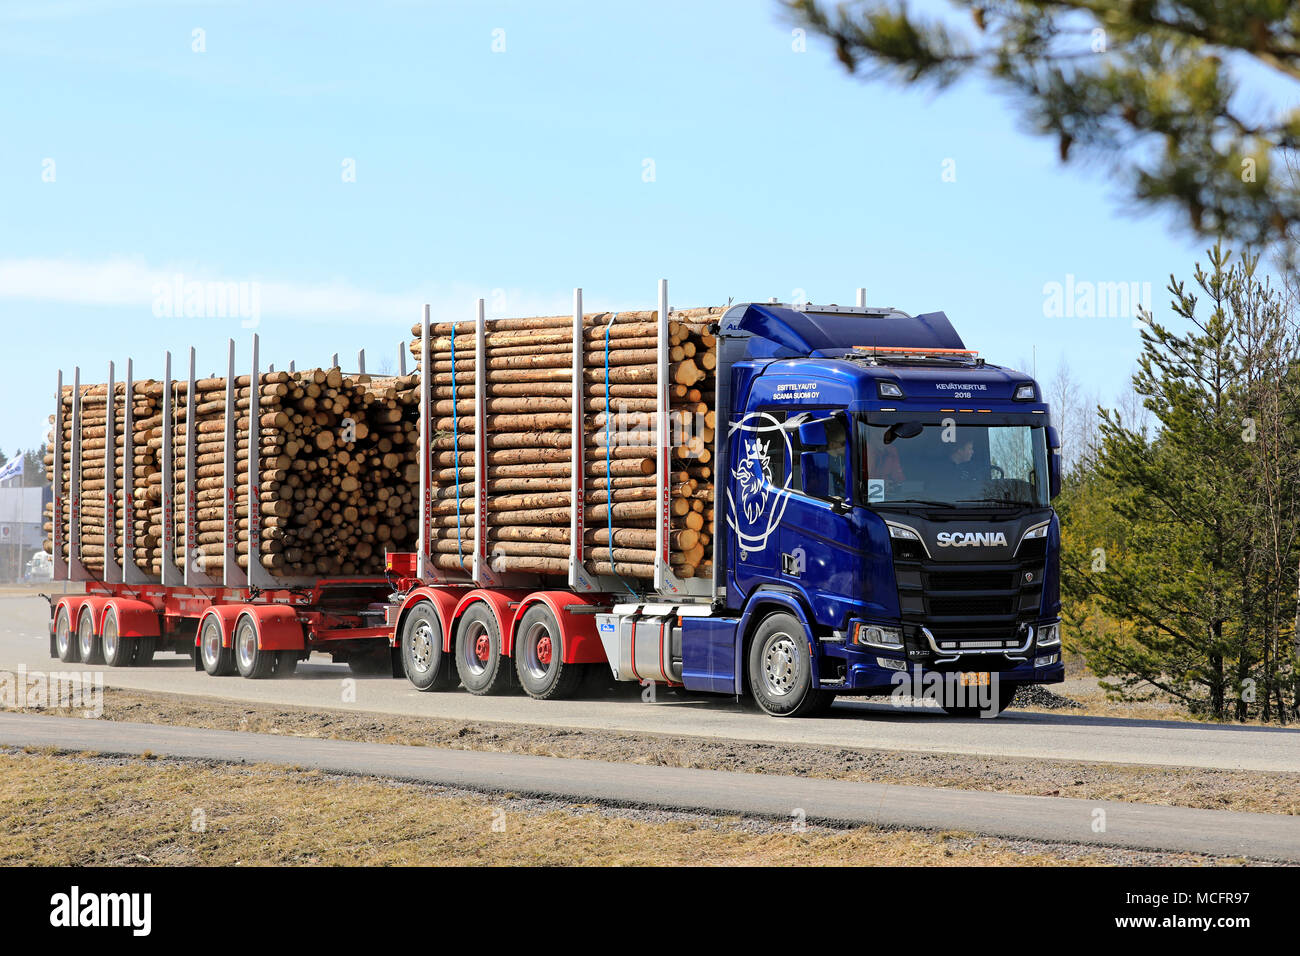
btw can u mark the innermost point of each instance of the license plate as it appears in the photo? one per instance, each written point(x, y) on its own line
point(975, 679)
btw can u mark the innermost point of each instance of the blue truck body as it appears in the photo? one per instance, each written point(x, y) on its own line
point(882, 586)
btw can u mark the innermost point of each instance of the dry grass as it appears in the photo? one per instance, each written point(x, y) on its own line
point(85, 810)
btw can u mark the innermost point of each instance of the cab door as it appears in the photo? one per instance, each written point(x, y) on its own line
point(758, 491)
point(820, 545)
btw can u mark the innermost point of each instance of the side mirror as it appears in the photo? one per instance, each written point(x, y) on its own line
point(814, 470)
point(1053, 462)
point(813, 434)
point(902, 430)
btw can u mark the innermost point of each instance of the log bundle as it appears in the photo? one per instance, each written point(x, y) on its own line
point(338, 474)
point(527, 467)
point(336, 482)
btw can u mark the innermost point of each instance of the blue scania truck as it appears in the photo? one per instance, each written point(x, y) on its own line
point(882, 525)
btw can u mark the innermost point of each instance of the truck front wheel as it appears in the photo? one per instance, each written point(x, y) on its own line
point(780, 669)
point(539, 657)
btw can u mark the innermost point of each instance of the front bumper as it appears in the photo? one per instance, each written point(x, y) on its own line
point(865, 669)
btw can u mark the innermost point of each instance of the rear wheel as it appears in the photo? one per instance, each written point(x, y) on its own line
point(217, 660)
point(144, 651)
point(539, 657)
point(478, 652)
point(119, 651)
point(780, 669)
point(88, 646)
point(423, 660)
point(65, 642)
point(253, 662)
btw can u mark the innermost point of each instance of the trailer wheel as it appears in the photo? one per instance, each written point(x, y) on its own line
point(217, 660)
point(88, 646)
point(65, 643)
point(119, 651)
point(253, 662)
point(539, 657)
point(423, 660)
point(954, 706)
point(780, 669)
point(145, 647)
point(478, 652)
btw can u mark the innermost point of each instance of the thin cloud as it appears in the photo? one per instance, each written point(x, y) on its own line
point(131, 283)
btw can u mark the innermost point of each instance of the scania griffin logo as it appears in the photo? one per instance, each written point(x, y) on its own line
point(967, 539)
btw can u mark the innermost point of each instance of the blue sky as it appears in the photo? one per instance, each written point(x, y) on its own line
point(514, 175)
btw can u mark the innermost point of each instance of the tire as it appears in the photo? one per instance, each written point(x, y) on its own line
point(478, 652)
point(539, 657)
point(373, 664)
point(145, 647)
point(218, 661)
point(424, 663)
point(88, 644)
point(253, 662)
point(953, 708)
point(780, 669)
point(119, 651)
point(65, 641)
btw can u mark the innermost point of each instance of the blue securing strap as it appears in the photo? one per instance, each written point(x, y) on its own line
point(609, 467)
point(455, 445)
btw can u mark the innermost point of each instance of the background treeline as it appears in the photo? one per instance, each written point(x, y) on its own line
point(1180, 509)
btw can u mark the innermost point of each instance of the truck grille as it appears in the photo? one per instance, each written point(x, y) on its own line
point(977, 607)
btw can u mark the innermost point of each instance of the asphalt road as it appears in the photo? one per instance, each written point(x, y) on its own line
point(1049, 819)
point(23, 642)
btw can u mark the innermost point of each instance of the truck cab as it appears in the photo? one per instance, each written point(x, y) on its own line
point(888, 501)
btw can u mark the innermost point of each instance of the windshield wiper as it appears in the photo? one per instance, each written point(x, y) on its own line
point(916, 501)
point(999, 501)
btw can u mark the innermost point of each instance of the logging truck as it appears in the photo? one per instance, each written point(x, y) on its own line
point(809, 502)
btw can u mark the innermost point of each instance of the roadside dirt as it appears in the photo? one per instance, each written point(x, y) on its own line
point(1252, 791)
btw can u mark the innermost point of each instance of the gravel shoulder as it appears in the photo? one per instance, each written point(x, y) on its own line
point(1250, 791)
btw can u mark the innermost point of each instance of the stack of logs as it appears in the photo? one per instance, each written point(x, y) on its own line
point(337, 481)
point(528, 419)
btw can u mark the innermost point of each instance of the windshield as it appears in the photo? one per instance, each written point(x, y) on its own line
point(952, 465)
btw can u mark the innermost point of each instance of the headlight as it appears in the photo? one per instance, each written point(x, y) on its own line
point(888, 390)
point(1037, 532)
point(1025, 392)
point(907, 534)
point(877, 635)
point(1049, 635)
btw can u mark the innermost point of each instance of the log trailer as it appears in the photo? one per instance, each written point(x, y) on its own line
point(882, 515)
